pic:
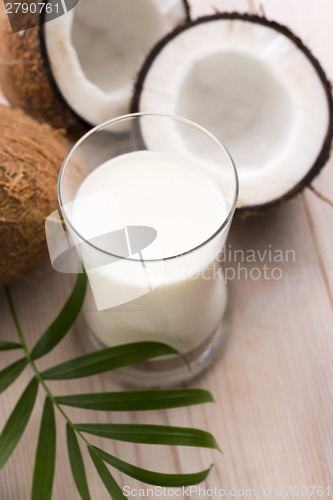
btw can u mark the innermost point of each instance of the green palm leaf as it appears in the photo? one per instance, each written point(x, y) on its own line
point(9, 374)
point(151, 434)
point(45, 456)
point(83, 366)
point(110, 484)
point(77, 464)
point(137, 400)
point(8, 346)
point(65, 319)
point(154, 478)
point(17, 422)
point(108, 359)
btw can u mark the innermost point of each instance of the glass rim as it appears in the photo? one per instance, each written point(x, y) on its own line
point(128, 117)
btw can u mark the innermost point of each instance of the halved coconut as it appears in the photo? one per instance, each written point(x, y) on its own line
point(93, 53)
point(86, 59)
point(256, 87)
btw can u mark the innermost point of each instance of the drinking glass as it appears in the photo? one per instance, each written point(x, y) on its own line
point(145, 284)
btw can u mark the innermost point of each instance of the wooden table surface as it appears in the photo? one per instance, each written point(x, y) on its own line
point(273, 386)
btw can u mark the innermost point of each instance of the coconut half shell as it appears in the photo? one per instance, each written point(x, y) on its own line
point(79, 68)
point(255, 85)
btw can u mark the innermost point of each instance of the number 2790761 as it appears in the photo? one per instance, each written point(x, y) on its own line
point(31, 8)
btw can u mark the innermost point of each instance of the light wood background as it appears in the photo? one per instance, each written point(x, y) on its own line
point(274, 384)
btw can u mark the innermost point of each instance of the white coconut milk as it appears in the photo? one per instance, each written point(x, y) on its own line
point(177, 300)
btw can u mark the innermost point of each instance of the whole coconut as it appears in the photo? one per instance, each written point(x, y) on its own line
point(31, 155)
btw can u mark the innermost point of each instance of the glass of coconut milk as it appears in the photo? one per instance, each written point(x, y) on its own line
point(148, 200)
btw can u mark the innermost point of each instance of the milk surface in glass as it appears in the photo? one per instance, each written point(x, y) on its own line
point(152, 295)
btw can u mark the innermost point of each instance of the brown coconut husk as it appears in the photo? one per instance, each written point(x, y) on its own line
point(31, 155)
point(23, 78)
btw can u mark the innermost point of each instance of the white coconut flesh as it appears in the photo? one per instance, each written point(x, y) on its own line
point(95, 51)
point(255, 90)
